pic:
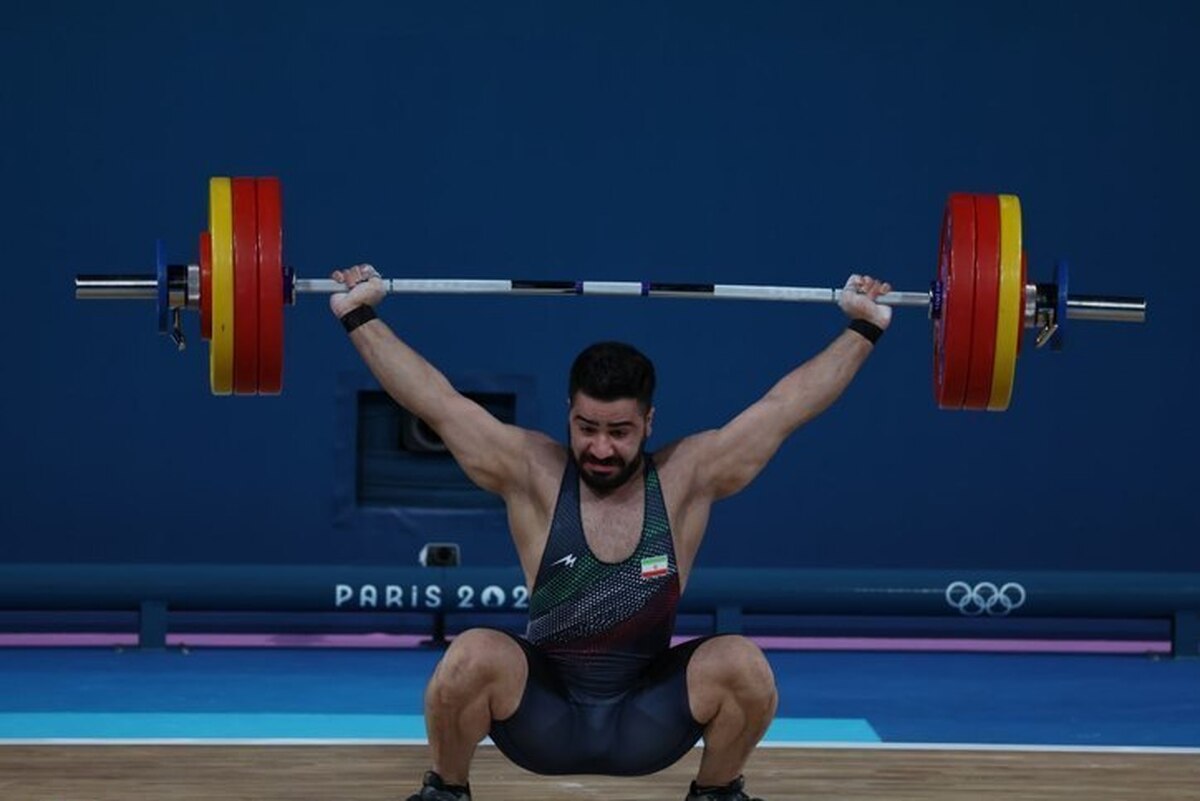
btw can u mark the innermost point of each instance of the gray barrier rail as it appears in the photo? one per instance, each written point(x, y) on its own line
point(726, 593)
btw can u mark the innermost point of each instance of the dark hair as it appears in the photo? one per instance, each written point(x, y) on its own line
point(610, 371)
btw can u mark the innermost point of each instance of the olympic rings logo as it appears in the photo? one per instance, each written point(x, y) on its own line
point(985, 597)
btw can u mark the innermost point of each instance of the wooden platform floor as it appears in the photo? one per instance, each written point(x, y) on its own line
point(390, 773)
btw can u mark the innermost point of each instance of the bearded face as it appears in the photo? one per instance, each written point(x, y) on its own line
point(607, 440)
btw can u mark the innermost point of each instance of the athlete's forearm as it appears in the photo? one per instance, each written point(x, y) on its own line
point(813, 386)
point(412, 381)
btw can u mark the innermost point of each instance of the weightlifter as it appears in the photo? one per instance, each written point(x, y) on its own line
point(606, 534)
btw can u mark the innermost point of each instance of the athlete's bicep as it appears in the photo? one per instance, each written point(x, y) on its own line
point(720, 462)
point(738, 451)
point(493, 454)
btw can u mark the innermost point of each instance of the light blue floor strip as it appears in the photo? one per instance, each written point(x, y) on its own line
point(821, 730)
point(201, 726)
point(192, 725)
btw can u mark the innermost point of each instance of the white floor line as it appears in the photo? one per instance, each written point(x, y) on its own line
point(801, 746)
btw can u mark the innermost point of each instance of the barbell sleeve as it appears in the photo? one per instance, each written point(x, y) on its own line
point(1109, 309)
point(116, 287)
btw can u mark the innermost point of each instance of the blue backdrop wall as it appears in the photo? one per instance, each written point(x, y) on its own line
point(745, 142)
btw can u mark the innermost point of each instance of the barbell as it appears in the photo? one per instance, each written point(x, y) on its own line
point(980, 302)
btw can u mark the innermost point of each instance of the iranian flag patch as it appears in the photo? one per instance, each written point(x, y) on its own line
point(654, 566)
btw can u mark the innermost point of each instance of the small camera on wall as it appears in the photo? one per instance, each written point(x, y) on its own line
point(439, 554)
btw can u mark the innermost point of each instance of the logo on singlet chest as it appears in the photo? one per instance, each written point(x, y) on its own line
point(655, 566)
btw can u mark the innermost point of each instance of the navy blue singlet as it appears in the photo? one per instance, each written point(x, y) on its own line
point(606, 692)
point(601, 623)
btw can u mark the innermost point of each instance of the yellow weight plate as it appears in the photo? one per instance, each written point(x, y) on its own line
point(1011, 304)
point(220, 227)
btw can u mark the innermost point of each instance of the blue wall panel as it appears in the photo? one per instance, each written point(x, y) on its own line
point(738, 142)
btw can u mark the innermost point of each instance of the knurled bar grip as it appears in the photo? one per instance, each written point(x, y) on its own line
point(632, 288)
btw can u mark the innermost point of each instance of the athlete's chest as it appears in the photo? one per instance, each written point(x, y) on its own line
point(613, 527)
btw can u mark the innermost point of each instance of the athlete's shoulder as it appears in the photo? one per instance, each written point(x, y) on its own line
point(677, 463)
point(547, 457)
point(683, 452)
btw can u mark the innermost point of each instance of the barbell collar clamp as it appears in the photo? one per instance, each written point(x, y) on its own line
point(177, 335)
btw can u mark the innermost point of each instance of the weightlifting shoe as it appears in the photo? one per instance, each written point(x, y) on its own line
point(726, 792)
point(434, 789)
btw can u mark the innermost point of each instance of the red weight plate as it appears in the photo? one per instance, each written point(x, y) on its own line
point(245, 287)
point(270, 287)
point(952, 332)
point(987, 299)
point(205, 285)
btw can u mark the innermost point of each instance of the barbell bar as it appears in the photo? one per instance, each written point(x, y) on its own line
point(980, 301)
point(1095, 308)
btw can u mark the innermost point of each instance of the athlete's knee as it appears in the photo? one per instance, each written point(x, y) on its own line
point(478, 662)
point(751, 678)
point(734, 669)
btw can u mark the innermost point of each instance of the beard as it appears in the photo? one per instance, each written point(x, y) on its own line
point(607, 483)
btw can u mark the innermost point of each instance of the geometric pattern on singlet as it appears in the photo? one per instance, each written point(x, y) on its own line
point(605, 618)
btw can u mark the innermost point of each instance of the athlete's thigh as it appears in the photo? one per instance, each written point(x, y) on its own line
point(656, 725)
point(543, 732)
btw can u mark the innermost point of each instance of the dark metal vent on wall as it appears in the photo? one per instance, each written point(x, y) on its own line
point(402, 462)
